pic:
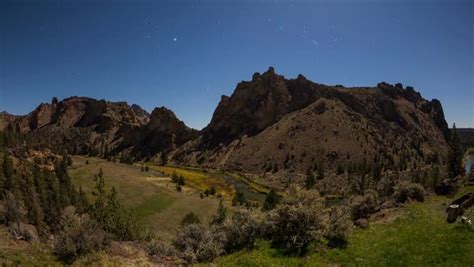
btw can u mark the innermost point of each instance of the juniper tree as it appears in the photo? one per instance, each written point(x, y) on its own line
point(271, 200)
point(455, 155)
point(310, 181)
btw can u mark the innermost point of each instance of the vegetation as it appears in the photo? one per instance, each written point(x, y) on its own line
point(271, 200)
point(455, 156)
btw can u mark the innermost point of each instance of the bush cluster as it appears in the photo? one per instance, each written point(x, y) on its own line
point(406, 190)
point(78, 234)
point(363, 206)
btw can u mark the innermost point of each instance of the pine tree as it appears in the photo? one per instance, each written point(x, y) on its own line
point(310, 181)
point(221, 214)
point(8, 172)
point(455, 155)
point(271, 200)
point(164, 157)
point(239, 199)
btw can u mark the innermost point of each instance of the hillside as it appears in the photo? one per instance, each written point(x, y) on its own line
point(271, 126)
point(97, 127)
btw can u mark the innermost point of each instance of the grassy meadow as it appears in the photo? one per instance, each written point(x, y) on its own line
point(151, 195)
point(416, 235)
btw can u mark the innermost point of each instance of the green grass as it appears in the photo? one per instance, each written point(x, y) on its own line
point(420, 236)
point(151, 195)
point(198, 179)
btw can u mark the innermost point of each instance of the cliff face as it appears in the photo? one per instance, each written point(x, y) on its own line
point(274, 127)
point(88, 126)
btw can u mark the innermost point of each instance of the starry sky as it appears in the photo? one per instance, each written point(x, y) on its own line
point(185, 54)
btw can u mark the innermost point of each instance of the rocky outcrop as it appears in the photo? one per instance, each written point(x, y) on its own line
point(257, 104)
point(278, 128)
point(87, 126)
point(164, 132)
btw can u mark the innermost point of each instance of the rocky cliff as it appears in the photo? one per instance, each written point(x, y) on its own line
point(277, 127)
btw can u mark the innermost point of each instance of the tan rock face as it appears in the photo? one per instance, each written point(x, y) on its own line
point(88, 126)
point(277, 128)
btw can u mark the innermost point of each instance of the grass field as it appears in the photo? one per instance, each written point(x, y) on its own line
point(419, 236)
point(151, 195)
point(198, 179)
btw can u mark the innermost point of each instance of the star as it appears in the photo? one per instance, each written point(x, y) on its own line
point(269, 20)
point(175, 39)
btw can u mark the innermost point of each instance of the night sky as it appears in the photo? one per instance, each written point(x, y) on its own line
point(185, 54)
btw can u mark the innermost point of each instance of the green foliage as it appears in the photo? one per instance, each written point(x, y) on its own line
point(221, 214)
point(271, 200)
point(111, 215)
point(199, 243)
point(242, 230)
point(164, 157)
point(455, 155)
point(310, 181)
point(210, 191)
point(239, 199)
point(190, 218)
point(78, 234)
point(339, 226)
point(297, 222)
point(405, 191)
point(363, 206)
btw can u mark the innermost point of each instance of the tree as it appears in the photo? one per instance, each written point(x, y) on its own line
point(190, 218)
point(239, 199)
point(310, 181)
point(164, 157)
point(8, 172)
point(221, 214)
point(321, 172)
point(271, 200)
point(455, 155)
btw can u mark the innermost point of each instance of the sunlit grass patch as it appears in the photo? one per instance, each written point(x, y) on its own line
point(420, 236)
point(199, 179)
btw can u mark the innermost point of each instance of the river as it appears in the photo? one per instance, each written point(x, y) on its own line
point(248, 192)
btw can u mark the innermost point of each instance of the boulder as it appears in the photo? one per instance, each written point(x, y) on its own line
point(23, 231)
point(362, 223)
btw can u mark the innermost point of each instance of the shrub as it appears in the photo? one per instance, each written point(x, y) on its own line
point(160, 248)
point(297, 222)
point(363, 206)
point(199, 243)
point(190, 218)
point(78, 235)
point(339, 226)
point(271, 200)
point(14, 209)
point(241, 231)
point(239, 199)
point(406, 190)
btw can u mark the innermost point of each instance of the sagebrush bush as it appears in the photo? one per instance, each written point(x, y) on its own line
point(242, 229)
point(78, 235)
point(406, 190)
point(160, 248)
point(363, 206)
point(297, 222)
point(339, 226)
point(199, 243)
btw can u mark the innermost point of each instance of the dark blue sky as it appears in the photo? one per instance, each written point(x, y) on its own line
point(185, 54)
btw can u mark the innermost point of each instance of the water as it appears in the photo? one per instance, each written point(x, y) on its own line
point(468, 165)
point(240, 186)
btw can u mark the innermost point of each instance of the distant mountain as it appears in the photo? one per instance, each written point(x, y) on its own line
point(87, 126)
point(270, 126)
point(275, 127)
